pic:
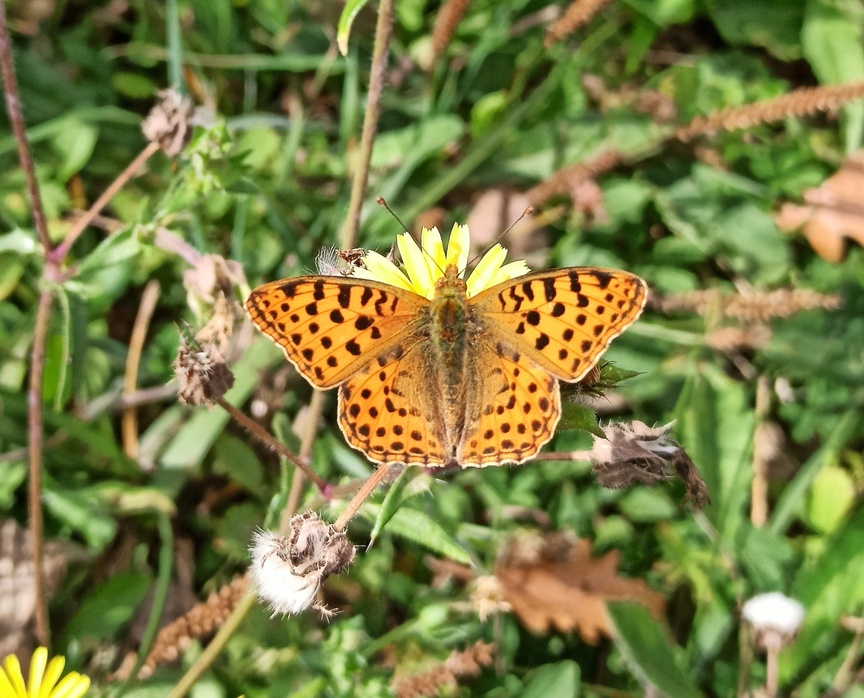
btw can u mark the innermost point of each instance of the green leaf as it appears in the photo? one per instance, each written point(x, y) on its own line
point(774, 24)
point(419, 527)
point(664, 12)
point(716, 426)
point(112, 251)
point(415, 143)
point(575, 415)
point(108, 607)
point(832, 40)
point(397, 495)
point(133, 85)
point(794, 496)
point(828, 585)
point(346, 19)
point(14, 473)
point(645, 505)
point(75, 143)
point(612, 374)
point(234, 457)
point(752, 243)
point(649, 652)
point(19, 242)
point(558, 680)
point(831, 498)
point(83, 511)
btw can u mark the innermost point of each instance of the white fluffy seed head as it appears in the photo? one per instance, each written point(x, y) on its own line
point(289, 571)
point(276, 578)
point(774, 611)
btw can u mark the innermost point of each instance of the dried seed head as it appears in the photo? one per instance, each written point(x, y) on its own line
point(487, 597)
point(220, 326)
point(636, 453)
point(211, 277)
point(774, 618)
point(202, 373)
point(170, 122)
point(289, 570)
point(331, 261)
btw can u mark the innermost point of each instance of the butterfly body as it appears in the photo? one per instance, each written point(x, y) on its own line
point(471, 381)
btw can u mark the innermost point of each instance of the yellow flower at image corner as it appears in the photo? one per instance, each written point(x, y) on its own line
point(423, 265)
point(44, 676)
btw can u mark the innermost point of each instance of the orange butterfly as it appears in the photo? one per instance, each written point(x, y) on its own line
point(435, 370)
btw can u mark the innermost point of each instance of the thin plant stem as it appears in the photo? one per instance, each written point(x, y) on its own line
point(129, 424)
point(16, 119)
point(370, 123)
point(306, 443)
point(759, 485)
point(34, 440)
point(362, 495)
point(264, 437)
point(60, 252)
point(40, 332)
point(208, 656)
point(580, 456)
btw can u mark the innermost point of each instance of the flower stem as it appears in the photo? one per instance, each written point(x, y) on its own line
point(362, 495)
point(264, 437)
point(60, 252)
point(370, 122)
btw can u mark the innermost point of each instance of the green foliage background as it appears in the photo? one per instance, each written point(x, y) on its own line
point(268, 185)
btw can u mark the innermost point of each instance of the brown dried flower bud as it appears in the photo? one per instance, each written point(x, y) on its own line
point(203, 375)
point(289, 571)
point(636, 453)
point(331, 261)
point(212, 276)
point(169, 122)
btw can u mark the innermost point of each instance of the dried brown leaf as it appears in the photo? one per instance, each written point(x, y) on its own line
point(566, 589)
point(833, 213)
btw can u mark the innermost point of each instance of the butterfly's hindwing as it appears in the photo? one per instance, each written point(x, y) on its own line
point(521, 408)
point(388, 412)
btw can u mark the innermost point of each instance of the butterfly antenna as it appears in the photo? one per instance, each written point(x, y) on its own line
point(381, 201)
point(527, 212)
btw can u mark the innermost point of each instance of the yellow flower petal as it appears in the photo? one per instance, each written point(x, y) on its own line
point(52, 675)
point(486, 269)
point(72, 686)
point(414, 263)
point(379, 268)
point(37, 671)
point(457, 247)
point(512, 270)
point(6, 687)
point(430, 241)
point(15, 677)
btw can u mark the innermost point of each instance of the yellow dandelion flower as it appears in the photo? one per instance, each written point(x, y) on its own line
point(44, 676)
point(424, 264)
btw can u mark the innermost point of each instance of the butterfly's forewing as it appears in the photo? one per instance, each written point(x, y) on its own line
point(562, 319)
point(389, 411)
point(332, 327)
point(519, 408)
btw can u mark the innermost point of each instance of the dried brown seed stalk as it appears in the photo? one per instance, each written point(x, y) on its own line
point(467, 663)
point(567, 178)
point(448, 18)
point(577, 13)
point(756, 306)
point(803, 102)
point(200, 621)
